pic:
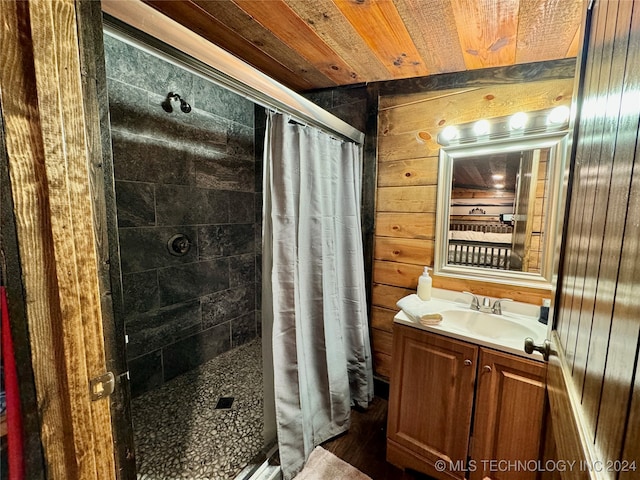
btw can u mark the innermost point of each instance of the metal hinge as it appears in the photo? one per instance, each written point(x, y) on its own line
point(102, 386)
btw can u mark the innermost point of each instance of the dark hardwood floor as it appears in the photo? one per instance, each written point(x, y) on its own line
point(364, 445)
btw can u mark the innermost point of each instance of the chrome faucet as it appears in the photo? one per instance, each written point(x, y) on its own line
point(486, 304)
point(475, 303)
point(497, 305)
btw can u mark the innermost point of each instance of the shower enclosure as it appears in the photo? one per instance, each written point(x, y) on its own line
point(187, 166)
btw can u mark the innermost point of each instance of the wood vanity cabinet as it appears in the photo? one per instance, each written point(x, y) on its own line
point(465, 405)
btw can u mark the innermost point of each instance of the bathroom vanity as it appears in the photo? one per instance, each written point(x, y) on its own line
point(465, 400)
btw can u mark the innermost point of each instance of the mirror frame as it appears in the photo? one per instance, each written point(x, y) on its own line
point(557, 142)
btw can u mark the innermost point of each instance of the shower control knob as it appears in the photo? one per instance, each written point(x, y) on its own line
point(179, 245)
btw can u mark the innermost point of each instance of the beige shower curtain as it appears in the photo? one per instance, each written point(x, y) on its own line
point(314, 306)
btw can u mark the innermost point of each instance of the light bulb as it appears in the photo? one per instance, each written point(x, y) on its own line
point(449, 133)
point(559, 115)
point(518, 121)
point(481, 127)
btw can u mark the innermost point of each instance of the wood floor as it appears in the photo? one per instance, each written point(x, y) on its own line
point(364, 445)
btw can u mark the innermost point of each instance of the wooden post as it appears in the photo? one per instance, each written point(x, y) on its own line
point(45, 133)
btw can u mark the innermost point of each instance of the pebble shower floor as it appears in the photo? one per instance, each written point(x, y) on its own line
point(178, 432)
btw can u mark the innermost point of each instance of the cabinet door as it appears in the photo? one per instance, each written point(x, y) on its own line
point(430, 401)
point(509, 418)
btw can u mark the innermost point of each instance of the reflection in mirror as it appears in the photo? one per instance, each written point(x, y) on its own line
point(497, 208)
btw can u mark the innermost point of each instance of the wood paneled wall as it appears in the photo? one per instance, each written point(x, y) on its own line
point(598, 321)
point(407, 187)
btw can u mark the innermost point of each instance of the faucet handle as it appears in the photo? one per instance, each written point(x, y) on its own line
point(475, 304)
point(497, 305)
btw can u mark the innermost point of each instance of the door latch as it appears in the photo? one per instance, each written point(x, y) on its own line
point(102, 386)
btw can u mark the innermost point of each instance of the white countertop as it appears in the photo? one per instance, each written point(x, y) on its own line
point(487, 335)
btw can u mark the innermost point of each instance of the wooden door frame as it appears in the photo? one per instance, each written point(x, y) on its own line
point(570, 441)
point(57, 140)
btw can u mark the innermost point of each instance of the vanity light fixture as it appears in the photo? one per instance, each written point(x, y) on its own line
point(520, 125)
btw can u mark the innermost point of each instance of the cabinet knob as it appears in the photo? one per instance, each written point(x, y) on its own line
point(468, 363)
point(487, 368)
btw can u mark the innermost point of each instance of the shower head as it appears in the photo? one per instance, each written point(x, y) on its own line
point(184, 106)
point(166, 104)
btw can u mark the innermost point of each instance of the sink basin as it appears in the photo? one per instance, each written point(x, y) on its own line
point(505, 332)
point(494, 327)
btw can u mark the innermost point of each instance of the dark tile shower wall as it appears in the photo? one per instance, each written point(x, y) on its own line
point(183, 173)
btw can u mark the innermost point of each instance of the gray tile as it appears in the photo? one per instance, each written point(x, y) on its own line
point(140, 291)
point(197, 131)
point(136, 204)
point(195, 350)
point(194, 280)
point(260, 117)
point(223, 306)
point(242, 207)
point(349, 96)
point(240, 142)
point(145, 373)
point(258, 208)
point(242, 270)
point(120, 96)
point(259, 323)
point(353, 114)
point(143, 159)
point(259, 175)
point(225, 240)
point(243, 329)
point(226, 174)
point(152, 330)
point(323, 98)
point(193, 134)
point(138, 68)
point(258, 237)
point(259, 269)
point(146, 248)
point(223, 102)
point(177, 205)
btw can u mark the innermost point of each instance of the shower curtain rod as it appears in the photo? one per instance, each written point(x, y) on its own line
point(139, 24)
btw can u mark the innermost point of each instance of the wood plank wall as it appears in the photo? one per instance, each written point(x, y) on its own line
point(407, 186)
point(598, 318)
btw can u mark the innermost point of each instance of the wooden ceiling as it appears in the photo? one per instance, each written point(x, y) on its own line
point(314, 44)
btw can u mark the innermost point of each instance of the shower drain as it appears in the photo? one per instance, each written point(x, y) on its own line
point(224, 402)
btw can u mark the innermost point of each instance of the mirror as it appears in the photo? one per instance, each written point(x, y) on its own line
point(498, 204)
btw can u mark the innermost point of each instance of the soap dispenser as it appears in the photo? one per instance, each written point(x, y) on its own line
point(544, 311)
point(424, 285)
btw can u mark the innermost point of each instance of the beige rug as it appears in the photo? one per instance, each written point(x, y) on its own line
point(324, 465)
